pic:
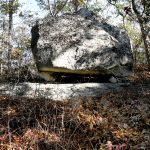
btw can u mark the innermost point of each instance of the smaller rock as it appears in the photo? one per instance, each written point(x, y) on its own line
point(113, 80)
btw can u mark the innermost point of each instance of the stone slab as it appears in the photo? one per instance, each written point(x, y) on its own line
point(59, 91)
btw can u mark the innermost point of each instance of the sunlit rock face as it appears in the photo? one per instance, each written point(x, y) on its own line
point(81, 41)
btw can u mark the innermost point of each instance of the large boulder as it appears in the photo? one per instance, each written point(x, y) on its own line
point(81, 43)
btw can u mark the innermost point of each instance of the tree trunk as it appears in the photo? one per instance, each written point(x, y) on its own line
point(75, 5)
point(144, 36)
point(10, 14)
point(143, 31)
point(49, 7)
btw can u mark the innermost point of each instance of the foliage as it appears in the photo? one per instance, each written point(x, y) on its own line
point(96, 7)
point(138, 11)
point(9, 6)
point(60, 6)
point(22, 37)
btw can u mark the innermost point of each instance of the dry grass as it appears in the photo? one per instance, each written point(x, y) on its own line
point(111, 122)
point(141, 74)
point(84, 124)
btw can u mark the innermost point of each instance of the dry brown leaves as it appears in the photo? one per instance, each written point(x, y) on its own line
point(114, 121)
point(120, 118)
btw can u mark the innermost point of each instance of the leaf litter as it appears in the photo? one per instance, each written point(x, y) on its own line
point(113, 121)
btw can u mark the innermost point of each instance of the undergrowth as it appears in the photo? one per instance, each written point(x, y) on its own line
point(114, 121)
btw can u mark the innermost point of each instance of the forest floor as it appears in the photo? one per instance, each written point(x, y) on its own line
point(113, 121)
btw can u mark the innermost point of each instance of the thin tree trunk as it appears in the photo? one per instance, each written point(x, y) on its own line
point(49, 7)
point(10, 27)
point(10, 20)
point(143, 31)
point(10, 15)
point(144, 36)
point(76, 5)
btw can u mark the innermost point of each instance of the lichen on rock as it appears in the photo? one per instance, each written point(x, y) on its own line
point(82, 41)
